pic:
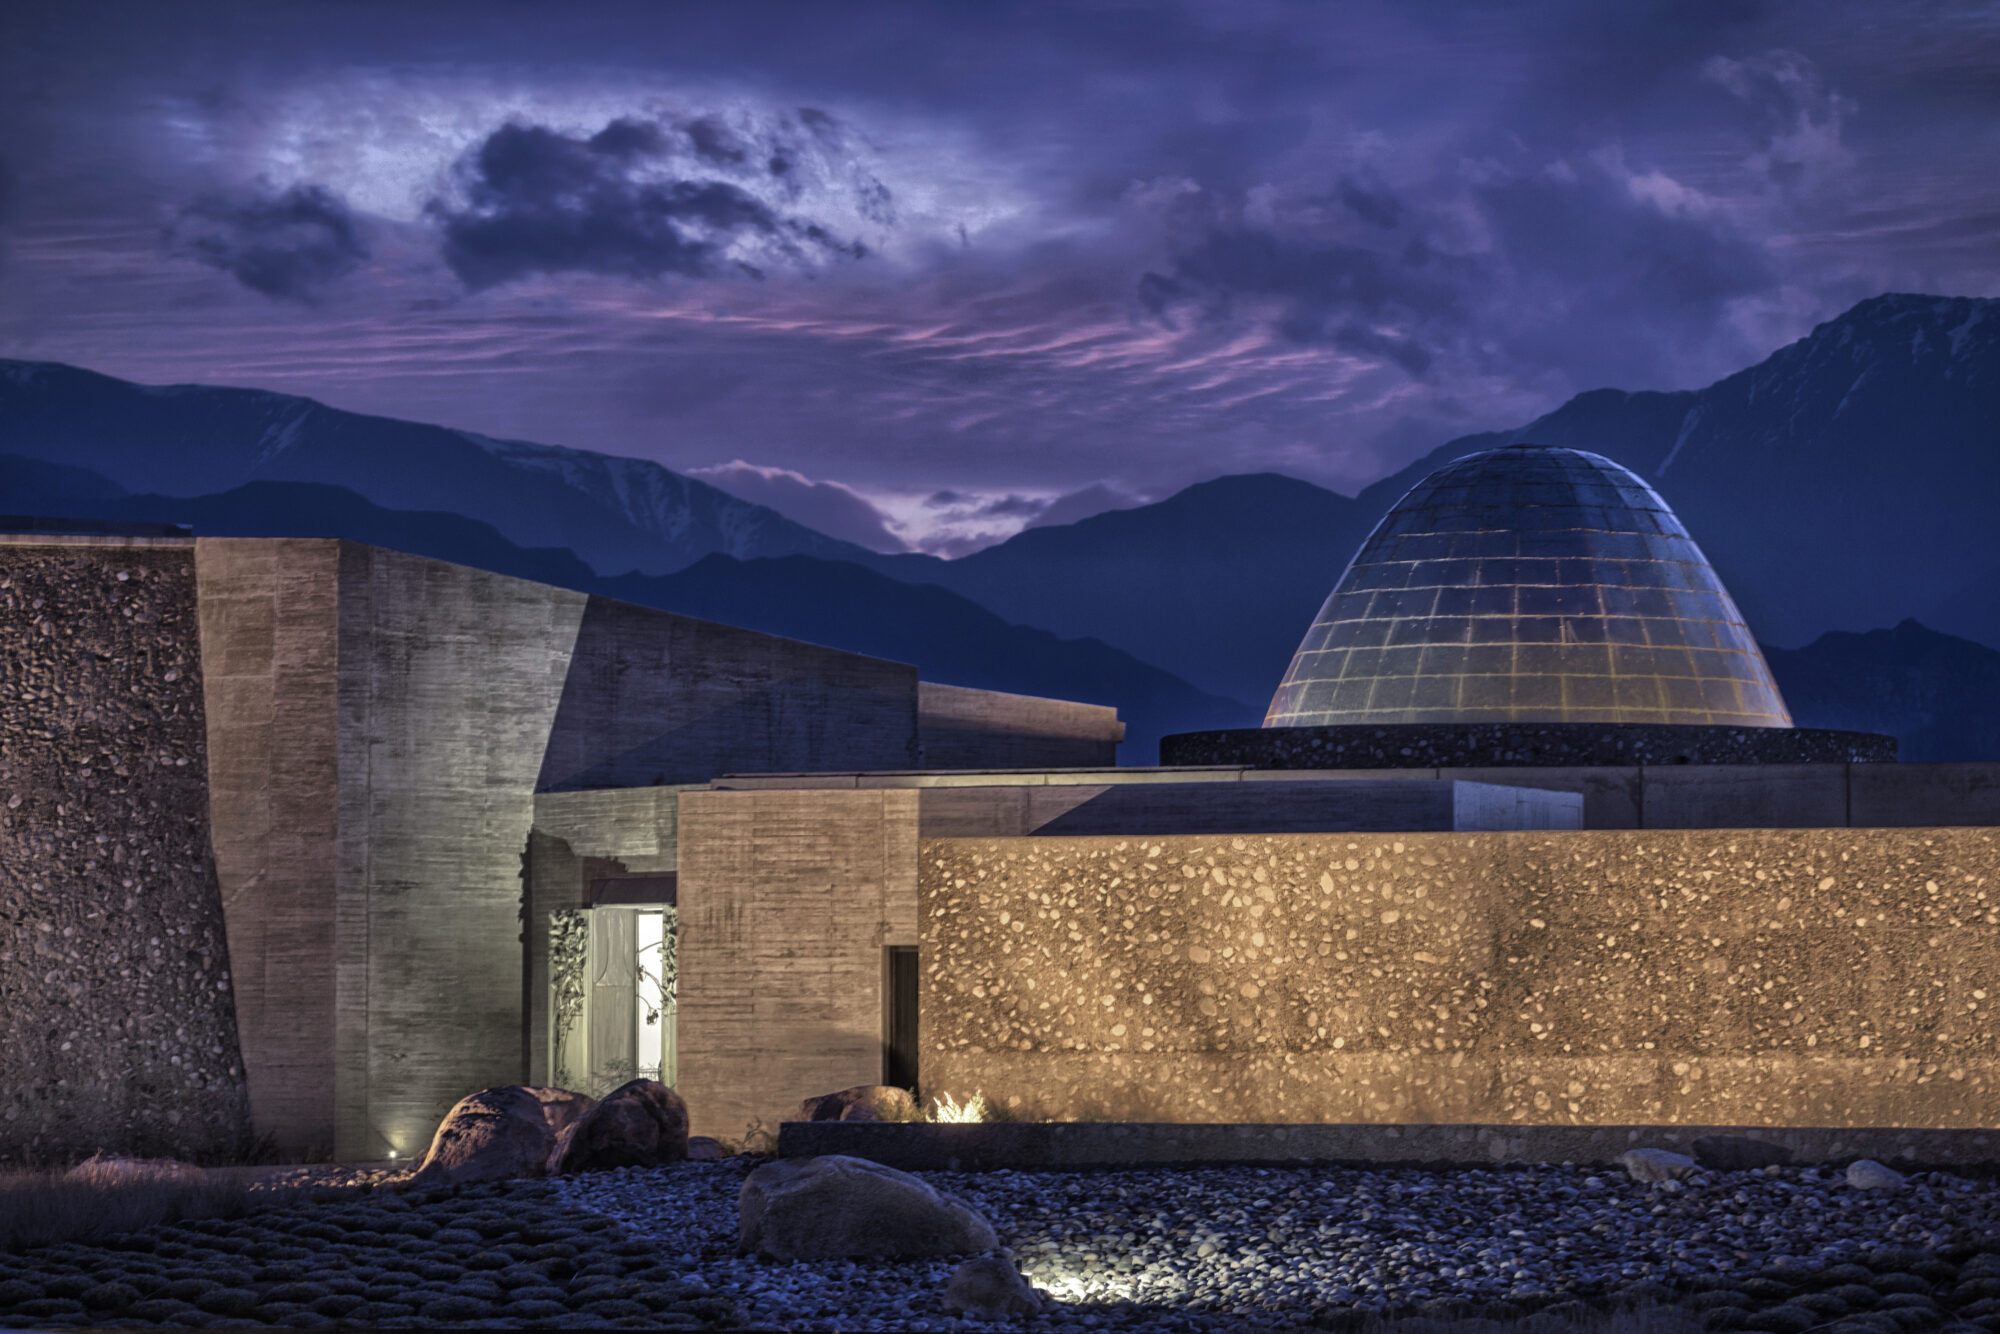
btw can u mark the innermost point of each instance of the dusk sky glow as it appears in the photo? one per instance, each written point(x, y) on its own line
point(925, 273)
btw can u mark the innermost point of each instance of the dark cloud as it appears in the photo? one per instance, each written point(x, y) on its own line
point(1324, 286)
point(290, 246)
point(621, 202)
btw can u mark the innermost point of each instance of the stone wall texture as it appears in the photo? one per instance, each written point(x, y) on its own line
point(1816, 977)
point(117, 1023)
point(1407, 745)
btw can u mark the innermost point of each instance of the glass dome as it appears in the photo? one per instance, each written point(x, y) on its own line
point(1529, 584)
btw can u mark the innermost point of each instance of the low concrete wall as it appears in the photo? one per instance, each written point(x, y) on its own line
point(117, 1024)
point(962, 728)
point(1034, 1146)
point(1085, 809)
point(1774, 977)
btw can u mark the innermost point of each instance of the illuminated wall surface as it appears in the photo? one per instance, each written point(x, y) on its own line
point(1805, 977)
point(1529, 584)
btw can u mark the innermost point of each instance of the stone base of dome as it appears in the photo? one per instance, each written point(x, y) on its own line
point(1500, 745)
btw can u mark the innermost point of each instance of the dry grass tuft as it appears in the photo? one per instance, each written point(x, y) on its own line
point(947, 1110)
point(103, 1197)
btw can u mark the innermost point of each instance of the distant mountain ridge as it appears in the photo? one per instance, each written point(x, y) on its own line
point(617, 514)
point(1937, 694)
point(1848, 481)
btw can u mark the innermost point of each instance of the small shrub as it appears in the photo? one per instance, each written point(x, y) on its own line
point(947, 1110)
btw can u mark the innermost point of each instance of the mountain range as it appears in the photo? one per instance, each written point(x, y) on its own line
point(1850, 480)
point(1847, 482)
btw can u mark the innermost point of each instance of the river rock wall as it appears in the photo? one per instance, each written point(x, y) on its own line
point(117, 1023)
point(1780, 977)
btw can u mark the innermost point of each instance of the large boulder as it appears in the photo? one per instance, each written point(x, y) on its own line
point(639, 1124)
point(836, 1207)
point(499, 1133)
point(863, 1102)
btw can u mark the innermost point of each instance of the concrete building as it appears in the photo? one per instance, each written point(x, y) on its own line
point(319, 763)
point(382, 831)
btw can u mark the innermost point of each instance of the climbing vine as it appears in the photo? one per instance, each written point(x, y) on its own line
point(569, 953)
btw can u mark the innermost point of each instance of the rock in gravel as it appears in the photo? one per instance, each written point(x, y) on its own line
point(863, 1102)
point(1739, 1153)
point(836, 1207)
point(498, 1133)
point(642, 1123)
point(1653, 1165)
point(1867, 1174)
point(103, 1170)
point(989, 1287)
point(703, 1149)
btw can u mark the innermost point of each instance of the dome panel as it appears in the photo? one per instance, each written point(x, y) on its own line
point(1529, 584)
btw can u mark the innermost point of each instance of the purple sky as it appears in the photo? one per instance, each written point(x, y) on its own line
point(920, 272)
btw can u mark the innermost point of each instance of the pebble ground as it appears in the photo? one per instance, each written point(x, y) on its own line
point(1783, 1252)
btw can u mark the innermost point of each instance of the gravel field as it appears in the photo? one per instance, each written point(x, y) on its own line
point(1219, 1248)
point(1781, 1251)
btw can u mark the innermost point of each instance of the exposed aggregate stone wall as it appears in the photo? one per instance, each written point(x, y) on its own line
point(117, 1025)
point(1474, 745)
point(1815, 977)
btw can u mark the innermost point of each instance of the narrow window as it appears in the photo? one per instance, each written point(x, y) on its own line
point(899, 993)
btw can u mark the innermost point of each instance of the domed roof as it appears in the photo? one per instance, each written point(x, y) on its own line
point(1529, 584)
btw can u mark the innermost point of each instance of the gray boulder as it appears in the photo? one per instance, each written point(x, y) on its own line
point(1655, 1165)
point(836, 1207)
point(702, 1149)
point(1867, 1174)
point(499, 1133)
point(642, 1123)
point(863, 1102)
point(989, 1287)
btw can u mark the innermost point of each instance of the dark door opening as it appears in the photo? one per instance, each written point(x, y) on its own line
point(899, 1028)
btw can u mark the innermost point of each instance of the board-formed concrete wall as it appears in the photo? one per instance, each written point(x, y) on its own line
point(788, 901)
point(382, 724)
point(1776, 977)
point(962, 728)
point(117, 1027)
